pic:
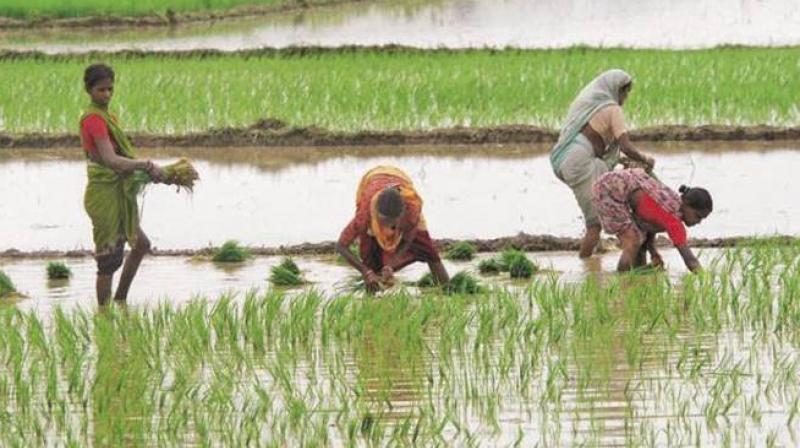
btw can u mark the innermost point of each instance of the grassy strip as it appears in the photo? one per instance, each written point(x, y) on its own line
point(32, 9)
point(703, 358)
point(373, 89)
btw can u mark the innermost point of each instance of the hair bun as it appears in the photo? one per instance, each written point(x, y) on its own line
point(683, 189)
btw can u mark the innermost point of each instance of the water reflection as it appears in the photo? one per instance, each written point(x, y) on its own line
point(462, 23)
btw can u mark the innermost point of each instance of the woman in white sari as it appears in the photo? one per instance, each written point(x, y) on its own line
point(589, 144)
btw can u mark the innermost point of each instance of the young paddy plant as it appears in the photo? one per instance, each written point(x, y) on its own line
point(286, 274)
point(231, 252)
point(57, 270)
point(461, 251)
point(6, 285)
point(405, 89)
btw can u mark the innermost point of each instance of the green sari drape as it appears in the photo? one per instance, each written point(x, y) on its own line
point(110, 198)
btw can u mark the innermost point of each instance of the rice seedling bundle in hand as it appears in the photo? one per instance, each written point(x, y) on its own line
point(181, 173)
point(57, 270)
point(231, 252)
point(462, 251)
point(286, 274)
point(463, 283)
point(6, 285)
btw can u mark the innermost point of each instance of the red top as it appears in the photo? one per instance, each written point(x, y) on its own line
point(650, 211)
point(359, 225)
point(94, 129)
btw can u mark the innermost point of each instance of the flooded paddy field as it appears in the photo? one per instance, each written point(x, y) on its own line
point(283, 196)
point(602, 360)
point(455, 24)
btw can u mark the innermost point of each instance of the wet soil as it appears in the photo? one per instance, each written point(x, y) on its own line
point(522, 241)
point(276, 133)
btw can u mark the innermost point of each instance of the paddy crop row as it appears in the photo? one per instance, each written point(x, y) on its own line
point(31, 9)
point(638, 360)
point(374, 89)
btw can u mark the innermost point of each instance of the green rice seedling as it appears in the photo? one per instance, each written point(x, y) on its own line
point(490, 266)
point(463, 283)
point(461, 251)
point(231, 252)
point(517, 264)
point(406, 90)
point(57, 270)
point(6, 285)
point(286, 274)
point(426, 281)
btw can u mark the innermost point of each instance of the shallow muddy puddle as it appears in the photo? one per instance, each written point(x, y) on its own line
point(178, 280)
point(283, 196)
point(458, 24)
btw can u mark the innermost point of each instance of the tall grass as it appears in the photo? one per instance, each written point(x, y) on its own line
point(30, 9)
point(388, 90)
point(707, 360)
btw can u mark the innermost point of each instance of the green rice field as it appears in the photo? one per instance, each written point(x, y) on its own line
point(637, 360)
point(31, 9)
point(374, 89)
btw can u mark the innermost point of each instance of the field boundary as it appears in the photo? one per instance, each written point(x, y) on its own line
point(269, 133)
point(522, 241)
point(169, 18)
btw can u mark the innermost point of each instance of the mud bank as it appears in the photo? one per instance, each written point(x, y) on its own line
point(168, 18)
point(276, 133)
point(524, 242)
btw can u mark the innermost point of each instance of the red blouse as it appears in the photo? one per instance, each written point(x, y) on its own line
point(94, 129)
point(648, 210)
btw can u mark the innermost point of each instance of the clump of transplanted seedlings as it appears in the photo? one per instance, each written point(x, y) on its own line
point(426, 281)
point(463, 283)
point(287, 273)
point(490, 266)
point(57, 270)
point(513, 261)
point(231, 252)
point(6, 285)
point(461, 251)
point(517, 264)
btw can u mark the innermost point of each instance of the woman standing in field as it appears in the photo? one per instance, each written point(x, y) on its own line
point(634, 206)
point(114, 179)
point(589, 143)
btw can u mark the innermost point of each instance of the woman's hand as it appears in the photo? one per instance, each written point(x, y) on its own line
point(155, 172)
point(649, 161)
point(372, 280)
point(387, 275)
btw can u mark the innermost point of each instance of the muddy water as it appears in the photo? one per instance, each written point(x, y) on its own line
point(463, 23)
point(179, 279)
point(272, 197)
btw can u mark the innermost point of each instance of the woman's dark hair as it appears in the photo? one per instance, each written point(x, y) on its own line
point(390, 203)
point(96, 73)
point(697, 198)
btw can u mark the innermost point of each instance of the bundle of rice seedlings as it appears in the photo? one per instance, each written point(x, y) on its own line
point(231, 252)
point(463, 283)
point(181, 173)
point(6, 285)
point(286, 274)
point(426, 281)
point(490, 266)
point(517, 264)
point(57, 270)
point(462, 251)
